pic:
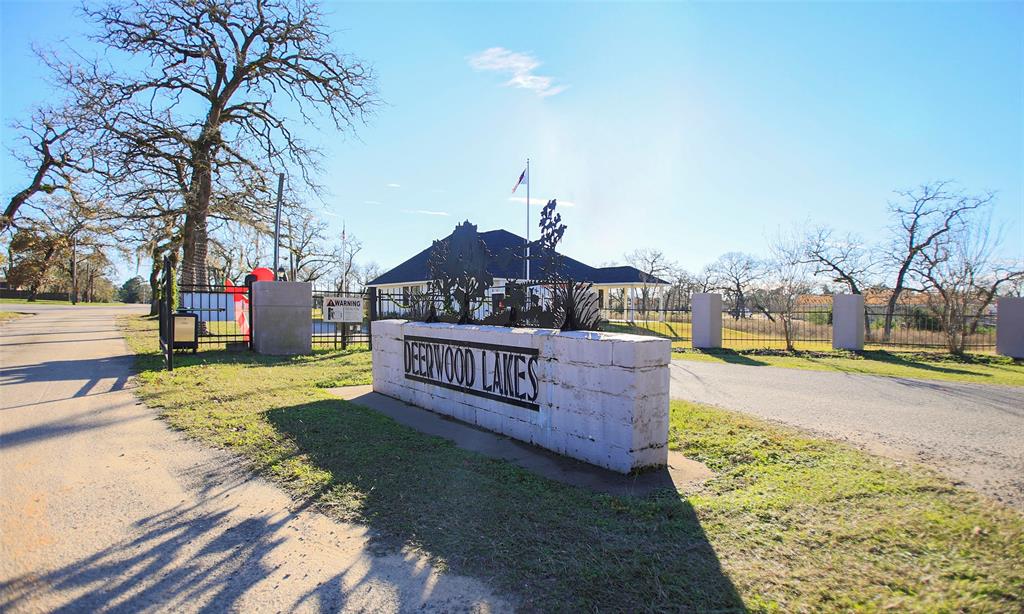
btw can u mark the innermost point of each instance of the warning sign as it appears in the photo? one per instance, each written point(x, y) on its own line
point(346, 309)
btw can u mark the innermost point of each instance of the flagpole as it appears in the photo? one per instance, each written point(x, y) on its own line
point(528, 182)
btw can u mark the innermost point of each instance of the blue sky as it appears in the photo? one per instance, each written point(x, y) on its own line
point(693, 128)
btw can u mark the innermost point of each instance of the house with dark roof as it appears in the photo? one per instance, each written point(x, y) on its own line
point(414, 275)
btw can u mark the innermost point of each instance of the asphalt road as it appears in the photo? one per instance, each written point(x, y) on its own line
point(102, 507)
point(973, 433)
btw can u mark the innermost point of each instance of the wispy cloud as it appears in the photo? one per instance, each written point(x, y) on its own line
point(394, 185)
point(520, 66)
point(329, 213)
point(425, 212)
point(371, 202)
point(540, 201)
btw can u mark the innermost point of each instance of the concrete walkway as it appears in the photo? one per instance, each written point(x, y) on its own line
point(102, 507)
point(974, 433)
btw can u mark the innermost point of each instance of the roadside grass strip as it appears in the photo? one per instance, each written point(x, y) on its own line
point(789, 522)
point(971, 368)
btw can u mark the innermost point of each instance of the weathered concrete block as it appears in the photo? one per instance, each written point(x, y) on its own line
point(706, 320)
point(282, 316)
point(848, 322)
point(599, 397)
point(1010, 326)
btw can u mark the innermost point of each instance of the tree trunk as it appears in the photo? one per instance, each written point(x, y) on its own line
point(890, 307)
point(194, 238)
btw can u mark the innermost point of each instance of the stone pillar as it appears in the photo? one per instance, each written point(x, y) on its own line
point(282, 317)
point(1010, 326)
point(707, 320)
point(848, 322)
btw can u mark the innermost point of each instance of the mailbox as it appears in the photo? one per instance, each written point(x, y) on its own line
point(186, 331)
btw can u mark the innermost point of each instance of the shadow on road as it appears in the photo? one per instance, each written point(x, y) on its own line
point(191, 558)
point(94, 372)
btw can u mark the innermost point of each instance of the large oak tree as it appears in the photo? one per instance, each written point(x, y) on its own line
point(217, 93)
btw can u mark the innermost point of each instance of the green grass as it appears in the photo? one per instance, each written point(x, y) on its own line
point(7, 316)
point(975, 368)
point(789, 523)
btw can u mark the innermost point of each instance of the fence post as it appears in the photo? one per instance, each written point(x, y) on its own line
point(1010, 326)
point(848, 322)
point(707, 320)
point(169, 311)
point(371, 296)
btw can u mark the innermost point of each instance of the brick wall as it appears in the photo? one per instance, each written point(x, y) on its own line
point(598, 397)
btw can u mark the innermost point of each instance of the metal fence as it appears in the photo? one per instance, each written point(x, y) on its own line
point(672, 322)
point(534, 305)
point(222, 311)
point(918, 326)
point(915, 325)
point(337, 335)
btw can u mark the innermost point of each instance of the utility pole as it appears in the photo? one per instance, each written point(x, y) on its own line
point(277, 224)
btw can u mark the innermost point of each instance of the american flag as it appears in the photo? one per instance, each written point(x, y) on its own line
point(522, 179)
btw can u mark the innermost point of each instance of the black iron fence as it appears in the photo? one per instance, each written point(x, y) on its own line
point(534, 305)
point(914, 324)
point(329, 335)
point(166, 308)
point(222, 312)
point(918, 325)
point(223, 315)
point(672, 322)
point(801, 328)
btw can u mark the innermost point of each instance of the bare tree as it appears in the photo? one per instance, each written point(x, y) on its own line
point(53, 149)
point(348, 248)
point(653, 266)
point(922, 218)
point(218, 70)
point(734, 273)
point(785, 280)
point(843, 260)
point(309, 259)
point(365, 273)
point(682, 288)
point(962, 278)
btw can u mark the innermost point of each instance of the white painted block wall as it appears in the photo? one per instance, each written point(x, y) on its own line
point(603, 397)
point(848, 321)
point(706, 320)
point(1010, 326)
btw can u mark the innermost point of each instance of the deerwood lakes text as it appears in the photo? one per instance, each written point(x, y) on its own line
point(500, 372)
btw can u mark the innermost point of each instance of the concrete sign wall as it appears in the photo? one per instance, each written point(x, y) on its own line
point(599, 397)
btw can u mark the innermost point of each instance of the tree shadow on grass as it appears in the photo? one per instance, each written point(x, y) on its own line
point(922, 364)
point(730, 356)
point(557, 547)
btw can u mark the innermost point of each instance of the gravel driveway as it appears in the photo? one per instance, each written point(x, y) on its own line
point(974, 433)
point(102, 507)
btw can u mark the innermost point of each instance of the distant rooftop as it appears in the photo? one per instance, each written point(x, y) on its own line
point(415, 269)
